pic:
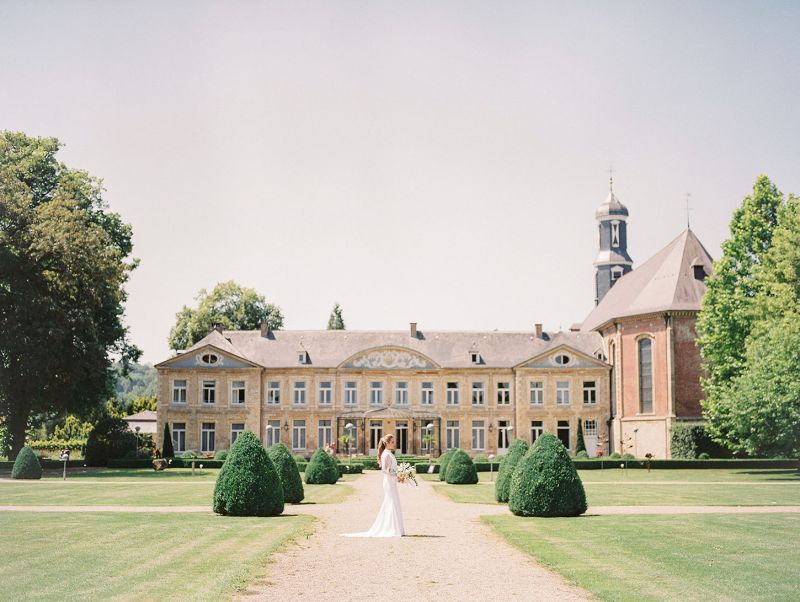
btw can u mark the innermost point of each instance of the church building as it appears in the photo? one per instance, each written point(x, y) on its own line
point(625, 374)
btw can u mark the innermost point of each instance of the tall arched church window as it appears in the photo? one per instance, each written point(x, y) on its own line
point(646, 376)
point(612, 359)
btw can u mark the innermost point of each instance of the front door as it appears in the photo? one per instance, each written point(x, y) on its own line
point(401, 435)
point(375, 434)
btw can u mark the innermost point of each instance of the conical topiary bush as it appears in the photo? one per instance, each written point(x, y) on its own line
point(167, 450)
point(322, 469)
point(461, 469)
point(580, 444)
point(545, 482)
point(248, 484)
point(516, 451)
point(27, 465)
point(444, 459)
point(288, 472)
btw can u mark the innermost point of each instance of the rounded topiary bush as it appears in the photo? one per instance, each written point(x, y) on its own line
point(444, 460)
point(27, 465)
point(481, 458)
point(582, 455)
point(545, 482)
point(461, 469)
point(288, 472)
point(516, 451)
point(322, 469)
point(628, 456)
point(248, 484)
point(110, 439)
point(221, 454)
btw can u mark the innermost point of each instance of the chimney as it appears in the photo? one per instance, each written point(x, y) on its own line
point(264, 329)
point(217, 326)
point(414, 330)
point(538, 328)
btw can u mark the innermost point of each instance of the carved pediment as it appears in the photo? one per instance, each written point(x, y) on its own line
point(389, 359)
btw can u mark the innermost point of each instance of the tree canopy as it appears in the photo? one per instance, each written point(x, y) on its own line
point(64, 261)
point(234, 306)
point(336, 321)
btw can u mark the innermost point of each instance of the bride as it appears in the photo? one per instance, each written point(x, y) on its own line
point(389, 522)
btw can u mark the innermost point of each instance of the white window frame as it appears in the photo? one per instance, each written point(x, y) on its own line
point(208, 436)
point(478, 435)
point(324, 432)
point(299, 435)
point(351, 393)
point(591, 391)
point(235, 431)
point(504, 394)
point(325, 393)
point(615, 234)
point(401, 393)
point(452, 393)
point(426, 393)
point(453, 433)
point(299, 393)
point(536, 388)
point(590, 428)
point(234, 388)
point(302, 357)
point(563, 393)
point(474, 357)
point(205, 388)
point(180, 391)
point(273, 435)
point(274, 392)
point(376, 393)
point(478, 393)
point(178, 442)
point(537, 429)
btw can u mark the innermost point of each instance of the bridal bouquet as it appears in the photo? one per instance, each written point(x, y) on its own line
point(406, 473)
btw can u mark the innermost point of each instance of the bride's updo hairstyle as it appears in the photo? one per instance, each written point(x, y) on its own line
point(382, 446)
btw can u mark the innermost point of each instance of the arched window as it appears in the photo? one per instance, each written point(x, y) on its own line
point(612, 359)
point(646, 376)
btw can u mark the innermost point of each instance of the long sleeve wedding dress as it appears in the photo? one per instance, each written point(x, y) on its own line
point(389, 522)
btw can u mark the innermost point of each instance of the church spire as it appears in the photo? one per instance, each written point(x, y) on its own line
point(612, 260)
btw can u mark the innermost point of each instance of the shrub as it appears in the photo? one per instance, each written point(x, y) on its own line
point(27, 465)
point(322, 469)
point(370, 464)
point(289, 473)
point(299, 458)
point(221, 454)
point(502, 486)
point(482, 458)
point(582, 455)
point(167, 451)
point(443, 461)
point(688, 441)
point(703, 456)
point(461, 469)
point(615, 456)
point(545, 482)
point(580, 444)
point(110, 439)
point(350, 469)
point(248, 484)
point(628, 456)
point(190, 455)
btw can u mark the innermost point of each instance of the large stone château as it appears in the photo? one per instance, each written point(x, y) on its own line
point(627, 373)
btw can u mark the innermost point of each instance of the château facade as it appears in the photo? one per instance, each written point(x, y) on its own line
point(626, 374)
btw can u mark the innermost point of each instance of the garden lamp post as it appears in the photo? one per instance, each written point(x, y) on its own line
point(65, 459)
point(428, 429)
point(137, 429)
point(491, 468)
point(349, 428)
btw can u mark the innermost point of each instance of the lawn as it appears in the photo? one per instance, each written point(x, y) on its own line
point(112, 556)
point(677, 557)
point(140, 488)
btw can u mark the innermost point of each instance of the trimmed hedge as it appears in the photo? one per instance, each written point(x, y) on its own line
point(288, 472)
point(27, 465)
point(352, 469)
point(443, 461)
point(248, 484)
point(461, 470)
point(545, 482)
point(322, 469)
point(110, 439)
point(516, 451)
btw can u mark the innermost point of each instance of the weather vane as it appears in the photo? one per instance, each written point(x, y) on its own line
point(611, 177)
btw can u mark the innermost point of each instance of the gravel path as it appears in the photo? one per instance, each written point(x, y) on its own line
point(448, 555)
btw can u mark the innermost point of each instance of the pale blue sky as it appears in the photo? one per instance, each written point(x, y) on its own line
point(437, 162)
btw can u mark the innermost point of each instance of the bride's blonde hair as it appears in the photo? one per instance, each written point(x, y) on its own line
point(382, 445)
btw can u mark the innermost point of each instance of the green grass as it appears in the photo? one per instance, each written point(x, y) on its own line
point(114, 556)
point(678, 557)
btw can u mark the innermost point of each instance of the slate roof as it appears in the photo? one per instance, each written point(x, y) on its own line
point(665, 282)
point(448, 349)
point(611, 206)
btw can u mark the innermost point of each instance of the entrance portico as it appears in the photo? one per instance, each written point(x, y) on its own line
point(409, 428)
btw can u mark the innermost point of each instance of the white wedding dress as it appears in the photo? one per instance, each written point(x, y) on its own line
point(389, 522)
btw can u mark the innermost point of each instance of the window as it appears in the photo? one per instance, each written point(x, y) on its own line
point(562, 393)
point(209, 391)
point(207, 437)
point(614, 234)
point(376, 393)
point(325, 392)
point(590, 428)
point(478, 435)
point(178, 391)
point(237, 428)
point(237, 392)
point(646, 376)
point(563, 432)
point(299, 392)
point(589, 392)
point(616, 274)
point(179, 436)
point(401, 393)
point(273, 435)
point(299, 434)
point(209, 358)
point(475, 357)
point(325, 433)
point(427, 393)
point(612, 359)
point(537, 428)
point(503, 394)
point(477, 394)
point(302, 357)
point(452, 394)
point(537, 392)
point(274, 392)
point(350, 393)
point(503, 434)
point(452, 434)
point(562, 359)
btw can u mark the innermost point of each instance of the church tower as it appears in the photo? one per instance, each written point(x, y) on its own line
point(612, 260)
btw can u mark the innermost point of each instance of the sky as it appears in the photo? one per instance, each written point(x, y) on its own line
point(437, 162)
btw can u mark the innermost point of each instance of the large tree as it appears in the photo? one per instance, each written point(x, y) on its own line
point(64, 260)
point(336, 321)
point(234, 306)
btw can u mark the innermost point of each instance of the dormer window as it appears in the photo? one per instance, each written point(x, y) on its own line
point(699, 272)
point(302, 357)
point(615, 234)
point(209, 358)
point(475, 357)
